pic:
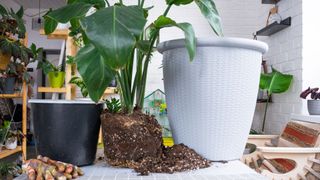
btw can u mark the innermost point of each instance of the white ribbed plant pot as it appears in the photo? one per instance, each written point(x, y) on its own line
point(211, 100)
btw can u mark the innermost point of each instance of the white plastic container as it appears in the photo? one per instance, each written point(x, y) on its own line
point(211, 100)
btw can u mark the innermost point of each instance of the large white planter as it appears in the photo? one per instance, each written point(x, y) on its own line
point(211, 100)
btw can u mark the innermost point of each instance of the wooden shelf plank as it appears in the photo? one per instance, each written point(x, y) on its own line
point(110, 90)
point(7, 152)
point(274, 27)
point(16, 95)
point(57, 34)
point(51, 90)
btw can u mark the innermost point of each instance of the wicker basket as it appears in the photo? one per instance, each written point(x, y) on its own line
point(211, 100)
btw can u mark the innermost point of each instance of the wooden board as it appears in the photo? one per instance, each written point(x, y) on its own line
point(57, 34)
point(16, 95)
point(7, 152)
point(51, 90)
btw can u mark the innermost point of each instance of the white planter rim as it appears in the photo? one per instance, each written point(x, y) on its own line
point(218, 42)
point(50, 101)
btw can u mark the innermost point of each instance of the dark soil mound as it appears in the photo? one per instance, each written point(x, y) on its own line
point(177, 158)
point(130, 138)
point(135, 141)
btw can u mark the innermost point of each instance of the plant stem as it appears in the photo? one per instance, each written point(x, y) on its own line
point(167, 10)
point(141, 91)
point(142, 3)
point(120, 1)
point(265, 113)
point(108, 4)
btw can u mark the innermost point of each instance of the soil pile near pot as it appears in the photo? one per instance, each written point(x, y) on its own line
point(130, 138)
point(135, 141)
point(177, 158)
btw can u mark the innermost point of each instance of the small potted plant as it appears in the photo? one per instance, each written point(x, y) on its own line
point(4, 129)
point(12, 139)
point(55, 74)
point(313, 103)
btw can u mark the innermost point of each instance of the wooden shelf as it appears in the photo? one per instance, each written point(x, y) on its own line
point(109, 90)
point(274, 27)
point(16, 95)
point(7, 152)
point(57, 34)
point(51, 90)
point(270, 1)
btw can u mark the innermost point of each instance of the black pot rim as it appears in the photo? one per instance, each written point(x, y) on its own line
point(51, 101)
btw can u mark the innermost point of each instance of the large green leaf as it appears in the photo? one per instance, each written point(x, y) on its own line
point(3, 10)
point(120, 27)
point(49, 25)
point(179, 2)
point(190, 41)
point(96, 3)
point(94, 72)
point(275, 82)
point(20, 12)
point(70, 11)
point(209, 10)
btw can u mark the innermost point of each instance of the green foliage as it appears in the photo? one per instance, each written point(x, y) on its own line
point(11, 23)
point(163, 22)
point(47, 67)
point(80, 83)
point(4, 129)
point(114, 39)
point(9, 169)
point(209, 10)
point(113, 105)
point(12, 30)
point(275, 82)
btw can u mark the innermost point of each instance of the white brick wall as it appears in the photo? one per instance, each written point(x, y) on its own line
point(285, 54)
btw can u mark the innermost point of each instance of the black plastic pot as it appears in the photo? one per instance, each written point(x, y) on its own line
point(66, 130)
point(7, 85)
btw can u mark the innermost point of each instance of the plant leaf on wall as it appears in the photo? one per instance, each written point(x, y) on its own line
point(95, 73)
point(120, 26)
point(190, 39)
point(275, 82)
point(209, 10)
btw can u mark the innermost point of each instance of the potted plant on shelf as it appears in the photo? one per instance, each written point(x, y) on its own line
point(14, 55)
point(55, 74)
point(274, 83)
point(4, 128)
point(313, 103)
point(12, 32)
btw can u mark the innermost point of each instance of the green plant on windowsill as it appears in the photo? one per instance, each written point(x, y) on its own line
point(274, 83)
point(114, 38)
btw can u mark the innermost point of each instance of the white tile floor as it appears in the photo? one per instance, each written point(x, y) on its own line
point(233, 170)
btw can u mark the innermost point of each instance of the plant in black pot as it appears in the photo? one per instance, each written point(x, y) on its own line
point(115, 37)
point(313, 103)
